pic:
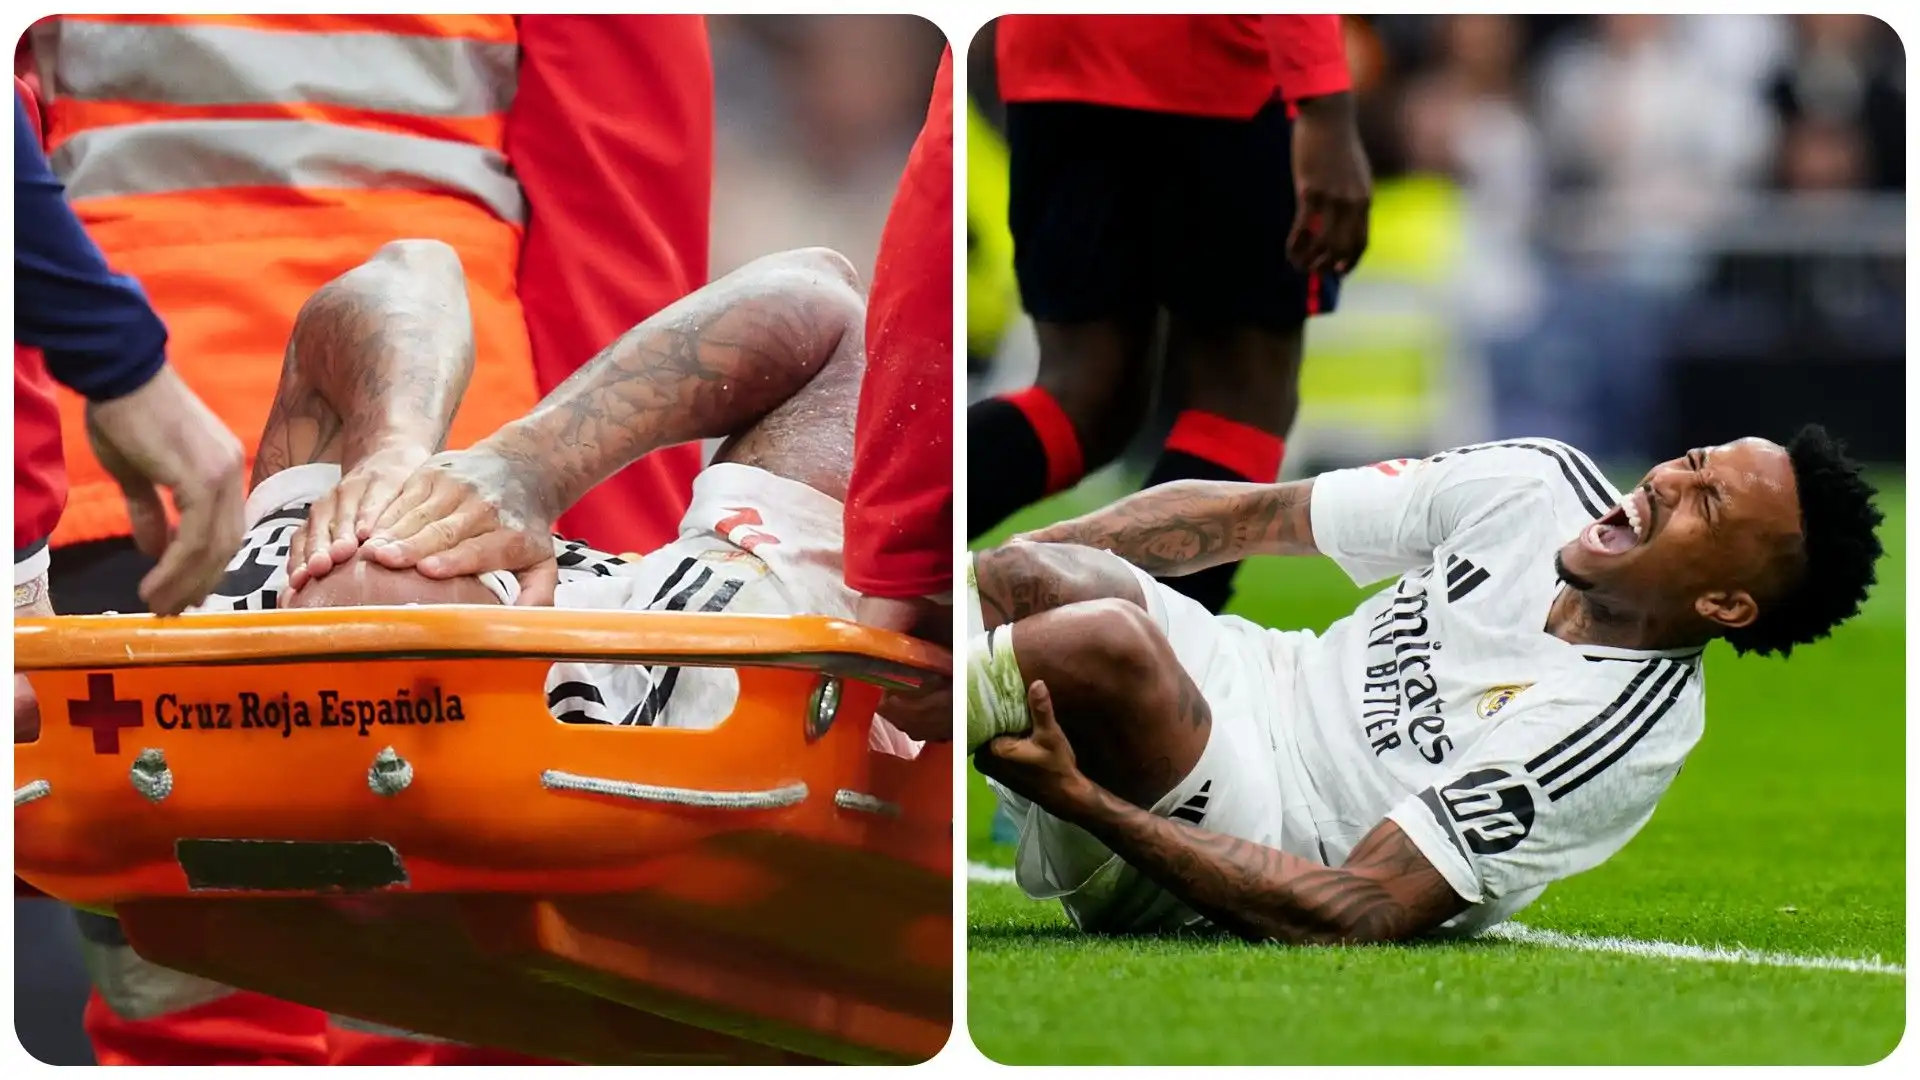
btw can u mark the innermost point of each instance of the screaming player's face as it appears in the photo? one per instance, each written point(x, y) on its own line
point(1708, 537)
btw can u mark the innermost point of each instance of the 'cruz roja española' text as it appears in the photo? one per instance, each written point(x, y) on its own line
point(283, 713)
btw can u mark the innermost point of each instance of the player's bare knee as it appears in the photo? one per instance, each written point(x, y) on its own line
point(1108, 642)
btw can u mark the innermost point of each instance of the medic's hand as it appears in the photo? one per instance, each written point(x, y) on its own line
point(163, 436)
point(467, 512)
point(1335, 187)
point(340, 521)
point(26, 711)
point(924, 716)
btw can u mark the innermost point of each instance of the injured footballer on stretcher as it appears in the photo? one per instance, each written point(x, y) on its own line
point(352, 505)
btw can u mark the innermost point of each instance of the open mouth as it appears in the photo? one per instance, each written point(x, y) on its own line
point(1625, 527)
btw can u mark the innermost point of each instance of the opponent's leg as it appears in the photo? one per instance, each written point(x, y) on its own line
point(1076, 191)
point(1237, 310)
point(1241, 394)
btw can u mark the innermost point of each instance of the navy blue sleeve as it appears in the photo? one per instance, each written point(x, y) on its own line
point(100, 336)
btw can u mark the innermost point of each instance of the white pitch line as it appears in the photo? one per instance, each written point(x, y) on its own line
point(989, 875)
point(1706, 954)
point(1652, 950)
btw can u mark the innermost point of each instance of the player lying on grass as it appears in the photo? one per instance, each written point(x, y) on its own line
point(1504, 716)
point(768, 357)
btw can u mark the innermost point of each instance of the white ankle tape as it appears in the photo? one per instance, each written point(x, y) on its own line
point(996, 692)
point(976, 618)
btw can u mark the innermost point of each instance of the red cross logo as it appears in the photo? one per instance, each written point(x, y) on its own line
point(103, 714)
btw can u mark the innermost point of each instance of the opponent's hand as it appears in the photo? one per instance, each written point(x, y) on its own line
point(342, 519)
point(163, 436)
point(1334, 187)
point(1039, 764)
point(466, 512)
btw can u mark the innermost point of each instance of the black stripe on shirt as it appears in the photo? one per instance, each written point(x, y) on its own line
point(1633, 688)
point(1627, 744)
point(1638, 711)
point(648, 712)
point(1475, 580)
point(581, 690)
point(1594, 494)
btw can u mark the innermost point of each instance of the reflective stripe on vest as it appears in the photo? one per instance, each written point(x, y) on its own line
point(225, 65)
point(196, 105)
point(158, 157)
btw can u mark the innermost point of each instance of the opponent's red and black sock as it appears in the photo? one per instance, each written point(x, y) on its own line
point(1204, 446)
point(1020, 448)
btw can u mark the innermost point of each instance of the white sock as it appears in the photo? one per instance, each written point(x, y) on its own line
point(996, 692)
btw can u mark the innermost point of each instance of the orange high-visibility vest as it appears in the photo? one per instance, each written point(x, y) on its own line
point(234, 164)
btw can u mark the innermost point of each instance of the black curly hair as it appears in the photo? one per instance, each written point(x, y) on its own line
point(1838, 550)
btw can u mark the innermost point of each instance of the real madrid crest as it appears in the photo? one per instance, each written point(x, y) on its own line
point(1497, 698)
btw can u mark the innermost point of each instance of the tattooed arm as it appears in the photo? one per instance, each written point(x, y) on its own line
point(708, 366)
point(1190, 525)
point(374, 371)
point(377, 362)
point(705, 367)
point(1385, 891)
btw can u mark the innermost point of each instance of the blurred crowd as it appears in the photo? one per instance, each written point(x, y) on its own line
point(814, 116)
point(1617, 212)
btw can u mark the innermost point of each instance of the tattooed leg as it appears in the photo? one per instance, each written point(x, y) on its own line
point(1137, 722)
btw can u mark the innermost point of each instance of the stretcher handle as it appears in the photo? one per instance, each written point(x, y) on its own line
point(461, 631)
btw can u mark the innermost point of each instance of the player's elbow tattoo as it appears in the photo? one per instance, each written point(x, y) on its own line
point(705, 367)
point(383, 351)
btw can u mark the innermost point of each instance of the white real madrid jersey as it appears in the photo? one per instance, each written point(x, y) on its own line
point(1512, 758)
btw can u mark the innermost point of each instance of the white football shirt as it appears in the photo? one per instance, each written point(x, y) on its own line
point(1511, 758)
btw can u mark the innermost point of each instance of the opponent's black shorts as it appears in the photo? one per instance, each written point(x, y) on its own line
point(1119, 211)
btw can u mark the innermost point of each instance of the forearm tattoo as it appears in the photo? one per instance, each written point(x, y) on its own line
point(705, 367)
point(379, 356)
point(1019, 580)
point(1188, 526)
point(1386, 891)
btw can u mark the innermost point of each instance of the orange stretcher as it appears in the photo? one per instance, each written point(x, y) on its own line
point(372, 811)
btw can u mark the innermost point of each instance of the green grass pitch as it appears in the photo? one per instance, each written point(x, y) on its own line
point(1785, 833)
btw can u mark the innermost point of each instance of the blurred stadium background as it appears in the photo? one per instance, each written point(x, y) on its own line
point(1637, 234)
point(1630, 232)
point(814, 116)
